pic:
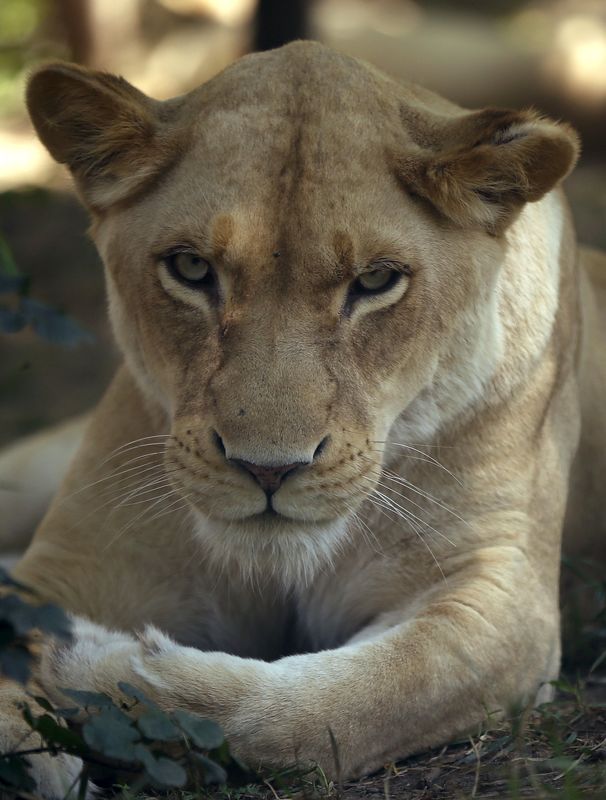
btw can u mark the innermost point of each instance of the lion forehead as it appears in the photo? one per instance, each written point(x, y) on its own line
point(304, 113)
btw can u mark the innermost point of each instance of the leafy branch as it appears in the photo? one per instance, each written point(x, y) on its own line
point(130, 736)
point(18, 310)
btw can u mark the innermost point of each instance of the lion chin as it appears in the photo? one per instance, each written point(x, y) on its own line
point(270, 547)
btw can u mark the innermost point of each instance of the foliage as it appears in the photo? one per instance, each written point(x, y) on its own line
point(25, 26)
point(19, 310)
point(131, 736)
point(117, 738)
point(18, 620)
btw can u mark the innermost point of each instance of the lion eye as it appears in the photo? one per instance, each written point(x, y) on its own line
point(377, 279)
point(188, 267)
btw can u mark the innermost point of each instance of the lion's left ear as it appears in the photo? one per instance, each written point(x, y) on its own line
point(487, 164)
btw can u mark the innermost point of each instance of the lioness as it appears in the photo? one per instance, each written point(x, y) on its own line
point(334, 466)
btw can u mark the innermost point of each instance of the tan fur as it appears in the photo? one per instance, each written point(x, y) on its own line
point(409, 586)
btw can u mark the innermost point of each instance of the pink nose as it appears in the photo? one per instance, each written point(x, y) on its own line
point(268, 478)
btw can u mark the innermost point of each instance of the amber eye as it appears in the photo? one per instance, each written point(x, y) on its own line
point(189, 268)
point(377, 279)
point(380, 280)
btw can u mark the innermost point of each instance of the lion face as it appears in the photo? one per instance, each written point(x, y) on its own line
point(284, 337)
point(306, 258)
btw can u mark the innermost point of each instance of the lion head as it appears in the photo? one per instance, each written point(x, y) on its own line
point(300, 255)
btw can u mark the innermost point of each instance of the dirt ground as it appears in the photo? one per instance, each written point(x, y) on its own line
point(558, 751)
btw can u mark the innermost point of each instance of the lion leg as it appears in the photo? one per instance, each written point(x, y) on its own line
point(482, 642)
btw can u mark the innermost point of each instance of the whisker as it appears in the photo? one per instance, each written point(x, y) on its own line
point(111, 475)
point(170, 509)
point(394, 478)
point(148, 482)
point(151, 488)
point(416, 444)
point(419, 536)
point(429, 457)
point(148, 472)
point(141, 446)
point(406, 456)
point(367, 532)
point(138, 517)
point(114, 499)
point(421, 521)
point(121, 447)
point(410, 515)
point(407, 484)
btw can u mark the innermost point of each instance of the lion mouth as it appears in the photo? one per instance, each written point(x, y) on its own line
point(269, 515)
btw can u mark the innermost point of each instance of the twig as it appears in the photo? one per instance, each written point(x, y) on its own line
point(476, 749)
point(271, 789)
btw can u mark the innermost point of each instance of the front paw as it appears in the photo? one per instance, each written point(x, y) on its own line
point(95, 659)
point(234, 692)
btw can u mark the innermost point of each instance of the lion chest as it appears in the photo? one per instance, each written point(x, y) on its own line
point(268, 622)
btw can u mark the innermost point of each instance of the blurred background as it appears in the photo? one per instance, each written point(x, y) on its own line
point(550, 54)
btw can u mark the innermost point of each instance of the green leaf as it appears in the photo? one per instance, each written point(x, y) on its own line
point(156, 725)
point(599, 660)
point(11, 321)
point(213, 772)
point(136, 694)
point(52, 325)
point(7, 580)
point(25, 616)
point(89, 699)
point(222, 756)
point(560, 762)
point(52, 619)
point(7, 262)
point(12, 283)
point(54, 733)
point(27, 714)
point(203, 732)
point(15, 663)
point(161, 770)
point(67, 713)
point(83, 784)
point(43, 702)
point(18, 613)
point(7, 634)
point(111, 733)
point(13, 772)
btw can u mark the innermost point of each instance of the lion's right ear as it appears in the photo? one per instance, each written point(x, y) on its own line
point(108, 133)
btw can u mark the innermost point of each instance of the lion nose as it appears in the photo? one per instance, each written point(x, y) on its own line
point(269, 478)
